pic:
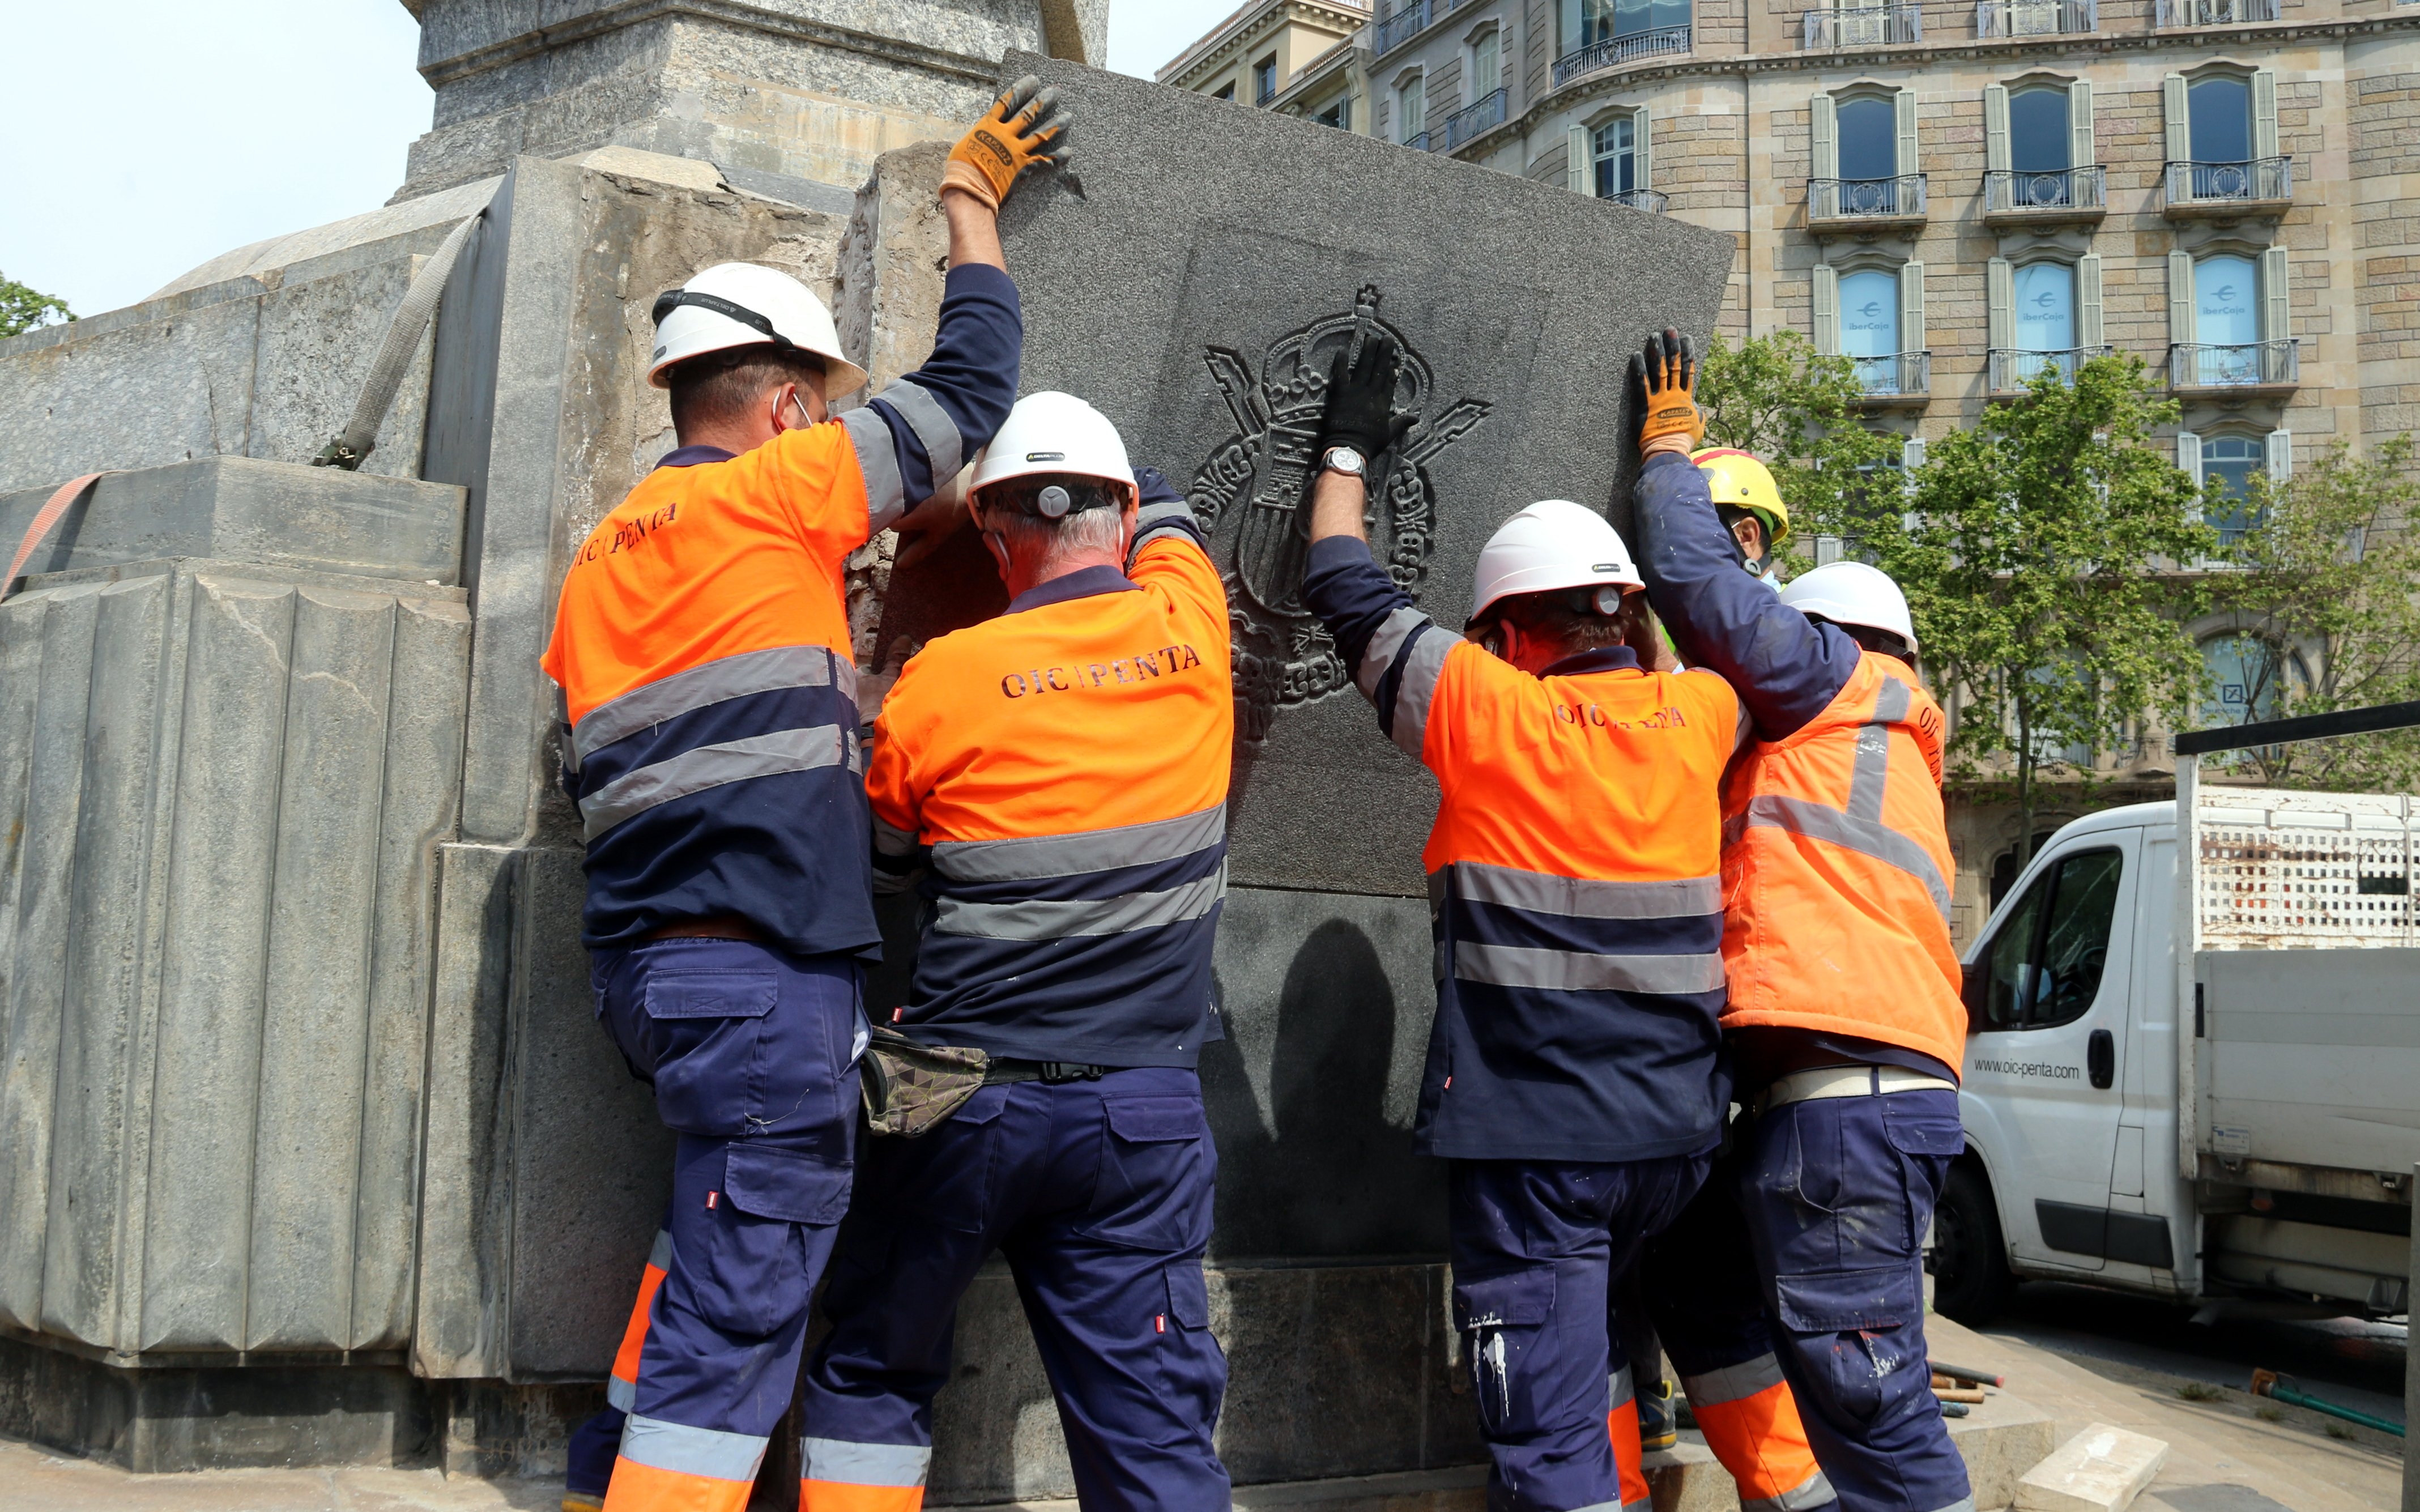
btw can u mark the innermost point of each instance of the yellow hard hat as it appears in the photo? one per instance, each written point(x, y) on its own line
point(1737, 479)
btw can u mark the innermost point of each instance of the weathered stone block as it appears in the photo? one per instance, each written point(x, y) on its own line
point(2101, 1469)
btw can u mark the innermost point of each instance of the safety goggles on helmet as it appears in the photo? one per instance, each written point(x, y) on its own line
point(1051, 495)
point(672, 299)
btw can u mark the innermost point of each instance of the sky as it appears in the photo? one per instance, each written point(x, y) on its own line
point(148, 137)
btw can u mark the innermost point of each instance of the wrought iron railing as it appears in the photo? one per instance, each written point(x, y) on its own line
point(1607, 52)
point(2214, 12)
point(1861, 27)
point(1898, 373)
point(1397, 29)
point(1471, 119)
point(2011, 189)
point(2242, 363)
point(1417, 143)
point(2215, 183)
point(1861, 199)
point(1647, 199)
point(2013, 369)
point(2035, 18)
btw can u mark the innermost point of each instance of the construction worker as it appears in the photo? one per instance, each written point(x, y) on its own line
point(1748, 502)
point(701, 650)
point(1061, 772)
point(1844, 1016)
point(1572, 1076)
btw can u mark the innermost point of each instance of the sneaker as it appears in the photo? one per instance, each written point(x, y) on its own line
point(1658, 1428)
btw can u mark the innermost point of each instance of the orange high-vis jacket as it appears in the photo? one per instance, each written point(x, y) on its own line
point(1836, 873)
point(1066, 763)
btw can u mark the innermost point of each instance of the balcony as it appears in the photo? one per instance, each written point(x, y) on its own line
point(2191, 13)
point(2227, 190)
point(1470, 120)
point(1901, 380)
point(1611, 51)
point(1409, 21)
point(1417, 143)
point(1865, 204)
point(2035, 18)
point(1861, 27)
point(1646, 199)
point(2251, 369)
point(2013, 369)
point(2044, 196)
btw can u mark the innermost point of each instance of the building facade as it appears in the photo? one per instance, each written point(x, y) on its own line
point(1957, 195)
point(1261, 48)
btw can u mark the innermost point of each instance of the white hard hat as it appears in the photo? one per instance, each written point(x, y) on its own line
point(1054, 432)
point(745, 305)
point(1552, 544)
point(1851, 593)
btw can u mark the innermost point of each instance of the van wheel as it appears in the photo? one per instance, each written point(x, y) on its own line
point(1970, 1259)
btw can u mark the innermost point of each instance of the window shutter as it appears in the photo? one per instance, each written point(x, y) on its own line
point(1827, 309)
point(2081, 154)
point(2264, 112)
point(1911, 453)
point(2181, 297)
point(2088, 302)
point(2276, 303)
point(1905, 102)
point(2280, 460)
point(1643, 132)
point(2172, 98)
point(2189, 456)
point(1910, 305)
point(1995, 128)
point(2000, 301)
point(1577, 177)
point(1823, 139)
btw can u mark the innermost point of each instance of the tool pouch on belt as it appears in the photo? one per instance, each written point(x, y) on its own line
point(910, 1087)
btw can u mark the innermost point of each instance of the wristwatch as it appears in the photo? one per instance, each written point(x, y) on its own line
point(1343, 459)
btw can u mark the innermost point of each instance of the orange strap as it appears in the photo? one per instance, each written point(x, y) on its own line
point(44, 519)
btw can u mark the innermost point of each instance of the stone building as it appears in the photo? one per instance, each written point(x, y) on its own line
point(1253, 55)
point(1959, 194)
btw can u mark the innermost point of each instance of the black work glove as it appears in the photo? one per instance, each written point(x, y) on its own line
point(1361, 400)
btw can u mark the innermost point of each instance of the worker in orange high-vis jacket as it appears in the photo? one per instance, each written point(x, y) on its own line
point(701, 647)
point(1844, 1015)
point(1059, 775)
point(1574, 1081)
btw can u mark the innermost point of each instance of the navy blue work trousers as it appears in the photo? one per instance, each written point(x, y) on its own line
point(1536, 1245)
point(751, 1052)
point(1099, 1196)
point(1837, 1192)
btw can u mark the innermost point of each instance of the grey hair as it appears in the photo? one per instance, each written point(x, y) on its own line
point(1049, 543)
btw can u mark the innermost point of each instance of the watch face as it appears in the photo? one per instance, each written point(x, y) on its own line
point(1343, 459)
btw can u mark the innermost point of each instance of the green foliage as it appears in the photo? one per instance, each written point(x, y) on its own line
point(2323, 615)
point(1775, 396)
point(2032, 557)
point(22, 309)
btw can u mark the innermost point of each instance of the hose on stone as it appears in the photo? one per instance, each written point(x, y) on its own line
point(359, 438)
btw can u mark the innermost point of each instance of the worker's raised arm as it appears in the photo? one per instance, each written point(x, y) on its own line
point(1785, 669)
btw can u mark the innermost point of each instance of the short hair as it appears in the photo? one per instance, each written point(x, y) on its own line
point(1052, 542)
point(1568, 618)
point(722, 386)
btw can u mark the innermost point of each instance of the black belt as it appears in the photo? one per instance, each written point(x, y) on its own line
point(998, 1071)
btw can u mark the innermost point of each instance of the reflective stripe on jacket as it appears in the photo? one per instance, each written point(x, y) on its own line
point(1066, 763)
point(1573, 877)
point(1836, 873)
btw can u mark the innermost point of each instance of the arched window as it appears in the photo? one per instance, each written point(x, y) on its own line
point(1869, 138)
point(2038, 139)
point(1486, 64)
point(2226, 301)
point(2219, 112)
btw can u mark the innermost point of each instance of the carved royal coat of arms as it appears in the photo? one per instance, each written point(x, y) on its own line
point(1253, 496)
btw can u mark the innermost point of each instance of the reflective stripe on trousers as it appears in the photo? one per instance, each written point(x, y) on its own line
point(1622, 1426)
point(1751, 1423)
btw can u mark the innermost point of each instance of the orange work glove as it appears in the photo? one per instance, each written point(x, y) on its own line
point(1024, 126)
point(1664, 379)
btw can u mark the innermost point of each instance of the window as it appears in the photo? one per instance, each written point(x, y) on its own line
point(1616, 148)
point(1486, 64)
point(1337, 113)
point(2039, 140)
point(2007, 867)
point(2218, 112)
point(1869, 138)
point(2043, 967)
point(1869, 322)
point(1412, 108)
point(2246, 676)
point(2234, 462)
point(2045, 307)
point(2227, 311)
point(1586, 23)
point(1264, 80)
point(1226, 91)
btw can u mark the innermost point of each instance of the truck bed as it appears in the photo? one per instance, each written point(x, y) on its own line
point(2312, 1057)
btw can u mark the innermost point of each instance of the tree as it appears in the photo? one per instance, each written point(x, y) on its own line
point(2039, 561)
point(1796, 409)
point(23, 310)
point(2322, 615)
